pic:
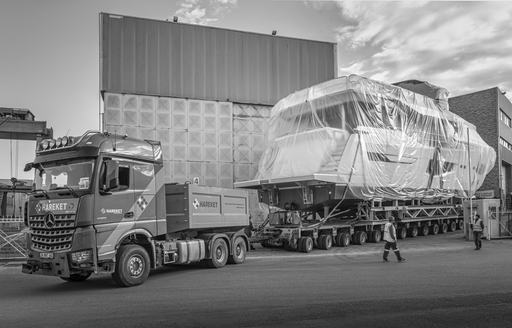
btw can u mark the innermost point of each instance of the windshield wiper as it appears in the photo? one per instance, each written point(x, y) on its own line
point(73, 192)
point(41, 191)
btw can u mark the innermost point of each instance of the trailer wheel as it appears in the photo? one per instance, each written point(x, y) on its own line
point(413, 231)
point(460, 224)
point(360, 238)
point(434, 229)
point(424, 230)
point(132, 266)
point(444, 228)
point(77, 277)
point(402, 233)
point(343, 239)
point(452, 226)
point(239, 251)
point(325, 242)
point(375, 236)
point(219, 254)
point(305, 244)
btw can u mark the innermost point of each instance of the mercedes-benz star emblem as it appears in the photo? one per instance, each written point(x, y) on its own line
point(49, 220)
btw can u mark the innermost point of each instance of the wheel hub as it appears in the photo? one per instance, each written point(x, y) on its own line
point(135, 266)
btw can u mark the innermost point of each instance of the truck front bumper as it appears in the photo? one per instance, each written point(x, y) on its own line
point(57, 266)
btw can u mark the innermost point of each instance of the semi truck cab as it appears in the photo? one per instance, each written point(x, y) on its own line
point(100, 204)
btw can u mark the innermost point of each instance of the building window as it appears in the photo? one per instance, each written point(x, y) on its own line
point(505, 144)
point(504, 117)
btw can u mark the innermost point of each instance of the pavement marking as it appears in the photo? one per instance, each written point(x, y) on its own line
point(360, 253)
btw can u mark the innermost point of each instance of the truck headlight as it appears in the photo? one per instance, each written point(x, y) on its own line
point(82, 256)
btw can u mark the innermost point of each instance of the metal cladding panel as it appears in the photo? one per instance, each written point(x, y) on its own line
point(141, 56)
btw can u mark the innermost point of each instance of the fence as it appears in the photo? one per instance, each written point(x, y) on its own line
point(500, 224)
point(12, 239)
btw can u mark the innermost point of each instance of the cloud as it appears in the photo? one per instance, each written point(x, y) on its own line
point(463, 46)
point(203, 12)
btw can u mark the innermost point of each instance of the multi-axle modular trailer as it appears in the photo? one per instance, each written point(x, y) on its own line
point(365, 223)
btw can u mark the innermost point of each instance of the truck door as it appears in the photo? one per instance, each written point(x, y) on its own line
point(145, 201)
point(114, 210)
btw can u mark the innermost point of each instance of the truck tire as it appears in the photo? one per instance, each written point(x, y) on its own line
point(444, 228)
point(305, 244)
point(376, 236)
point(239, 251)
point(424, 230)
point(434, 229)
point(77, 277)
point(402, 233)
point(452, 226)
point(325, 242)
point(413, 231)
point(132, 265)
point(360, 238)
point(219, 254)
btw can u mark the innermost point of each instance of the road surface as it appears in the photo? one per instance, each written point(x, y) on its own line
point(444, 283)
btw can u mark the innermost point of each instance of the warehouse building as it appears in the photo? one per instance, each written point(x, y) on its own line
point(204, 92)
point(491, 112)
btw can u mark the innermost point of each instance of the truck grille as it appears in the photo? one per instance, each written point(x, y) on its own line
point(57, 238)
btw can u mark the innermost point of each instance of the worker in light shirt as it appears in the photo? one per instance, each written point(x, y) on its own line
point(390, 239)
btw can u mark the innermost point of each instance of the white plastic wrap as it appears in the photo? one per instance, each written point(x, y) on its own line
point(380, 140)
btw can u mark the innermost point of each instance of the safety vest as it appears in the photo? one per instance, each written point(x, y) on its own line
point(387, 232)
point(477, 226)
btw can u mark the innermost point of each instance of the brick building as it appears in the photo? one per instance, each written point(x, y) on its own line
point(491, 112)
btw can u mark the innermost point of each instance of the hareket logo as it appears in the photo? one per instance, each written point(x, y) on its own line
point(196, 204)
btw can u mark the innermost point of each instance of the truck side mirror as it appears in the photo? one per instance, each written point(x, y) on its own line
point(28, 167)
point(111, 175)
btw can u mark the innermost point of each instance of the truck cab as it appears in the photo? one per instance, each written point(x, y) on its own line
point(99, 204)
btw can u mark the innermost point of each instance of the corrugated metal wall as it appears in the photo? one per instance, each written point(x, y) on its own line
point(218, 142)
point(159, 58)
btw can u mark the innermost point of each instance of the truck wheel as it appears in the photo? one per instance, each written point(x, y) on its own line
point(306, 244)
point(360, 238)
point(444, 228)
point(376, 236)
point(77, 277)
point(325, 242)
point(424, 230)
point(452, 226)
point(132, 266)
point(434, 229)
point(413, 231)
point(219, 254)
point(402, 233)
point(239, 251)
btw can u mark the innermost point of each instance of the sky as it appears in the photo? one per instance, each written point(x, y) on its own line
point(49, 49)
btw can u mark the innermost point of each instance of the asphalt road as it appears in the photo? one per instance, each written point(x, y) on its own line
point(444, 283)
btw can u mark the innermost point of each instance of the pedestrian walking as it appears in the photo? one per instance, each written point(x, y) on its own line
point(390, 239)
point(478, 229)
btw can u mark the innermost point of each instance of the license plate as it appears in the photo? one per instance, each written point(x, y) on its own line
point(46, 255)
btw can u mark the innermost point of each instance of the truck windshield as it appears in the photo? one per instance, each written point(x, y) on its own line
point(75, 174)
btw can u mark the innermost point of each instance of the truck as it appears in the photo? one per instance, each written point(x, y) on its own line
point(344, 155)
point(101, 204)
